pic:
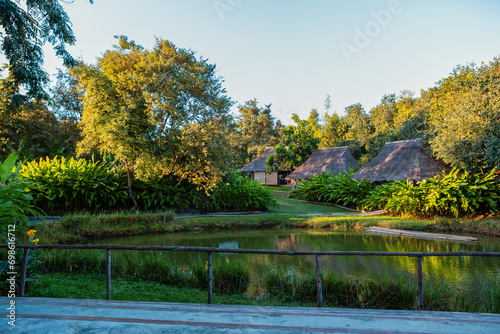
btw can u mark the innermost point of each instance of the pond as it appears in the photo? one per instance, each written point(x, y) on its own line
point(461, 272)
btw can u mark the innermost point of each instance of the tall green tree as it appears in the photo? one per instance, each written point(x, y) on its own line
point(297, 146)
point(26, 26)
point(464, 117)
point(35, 132)
point(66, 97)
point(257, 128)
point(157, 112)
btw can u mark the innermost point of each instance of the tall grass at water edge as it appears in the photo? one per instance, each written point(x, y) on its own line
point(278, 286)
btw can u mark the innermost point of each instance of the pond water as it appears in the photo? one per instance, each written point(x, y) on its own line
point(462, 272)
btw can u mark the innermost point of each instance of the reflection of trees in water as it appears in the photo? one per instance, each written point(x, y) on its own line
point(464, 271)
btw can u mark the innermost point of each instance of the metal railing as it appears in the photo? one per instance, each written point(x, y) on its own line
point(210, 250)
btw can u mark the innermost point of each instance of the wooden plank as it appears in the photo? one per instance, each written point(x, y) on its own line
point(420, 235)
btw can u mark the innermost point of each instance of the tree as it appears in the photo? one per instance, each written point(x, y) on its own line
point(156, 112)
point(257, 128)
point(334, 130)
point(297, 146)
point(35, 132)
point(27, 25)
point(66, 97)
point(464, 117)
point(314, 123)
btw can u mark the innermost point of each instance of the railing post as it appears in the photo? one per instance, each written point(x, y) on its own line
point(318, 282)
point(108, 274)
point(209, 277)
point(24, 269)
point(420, 276)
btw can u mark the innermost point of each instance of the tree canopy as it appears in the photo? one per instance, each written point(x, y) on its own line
point(257, 129)
point(27, 25)
point(157, 112)
point(296, 147)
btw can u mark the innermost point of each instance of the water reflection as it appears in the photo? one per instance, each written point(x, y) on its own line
point(464, 271)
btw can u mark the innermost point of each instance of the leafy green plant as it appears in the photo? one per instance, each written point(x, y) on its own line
point(333, 188)
point(69, 184)
point(238, 193)
point(15, 197)
point(453, 194)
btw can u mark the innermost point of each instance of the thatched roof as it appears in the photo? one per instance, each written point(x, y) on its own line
point(333, 160)
point(401, 160)
point(259, 164)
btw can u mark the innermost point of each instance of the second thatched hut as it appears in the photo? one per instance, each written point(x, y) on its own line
point(401, 160)
point(333, 160)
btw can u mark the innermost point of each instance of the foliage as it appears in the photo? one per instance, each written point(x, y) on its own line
point(454, 194)
point(15, 197)
point(27, 26)
point(298, 145)
point(35, 132)
point(157, 112)
point(238, 193)
point(333, 188)
point(229, 277)
point(66, 97)
point(70, 184)
point(464, 117)
point(168, 192)
point(33, 262)
point(347, 291)
point(257, 129)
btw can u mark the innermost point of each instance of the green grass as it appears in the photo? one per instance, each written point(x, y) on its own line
point(282, 290)
point(75, 228)
point(278, 188)
point(93, 286)
point(290, 206)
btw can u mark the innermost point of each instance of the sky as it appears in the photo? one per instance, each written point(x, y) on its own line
point(292, 53)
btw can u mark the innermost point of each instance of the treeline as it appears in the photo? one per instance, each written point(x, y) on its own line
point(458, 120)
point(164, 113)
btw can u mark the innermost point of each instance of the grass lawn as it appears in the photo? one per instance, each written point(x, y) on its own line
point(295, 207)
point(93, 286)
point(278, 188)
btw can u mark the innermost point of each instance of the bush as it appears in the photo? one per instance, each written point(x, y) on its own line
point(15, 199)
point(238, 193)
point(75, 185)
point(167, 192)
point(333, 188)
point(454, 194)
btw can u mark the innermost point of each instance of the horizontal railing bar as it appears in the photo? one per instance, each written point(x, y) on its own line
point(255, 251)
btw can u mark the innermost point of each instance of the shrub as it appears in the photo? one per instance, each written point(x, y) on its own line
point(15, 199)
point(168, 192)
point(454, 194)
point(69, 184)
point(238, 193)
point(333, 188)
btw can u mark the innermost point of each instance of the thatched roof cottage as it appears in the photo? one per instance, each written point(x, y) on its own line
point(333, 160)
point(256, 170)
point(401, 160)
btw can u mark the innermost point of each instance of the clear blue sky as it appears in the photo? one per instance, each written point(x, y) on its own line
point(293, 53)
